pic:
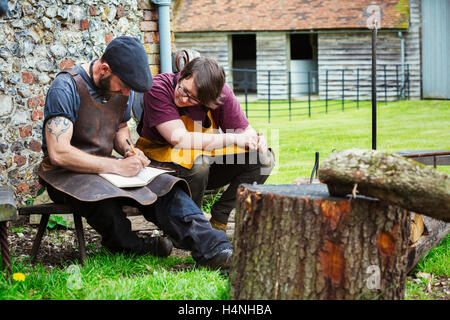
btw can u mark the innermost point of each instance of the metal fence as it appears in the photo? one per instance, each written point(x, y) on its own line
point(268, 94)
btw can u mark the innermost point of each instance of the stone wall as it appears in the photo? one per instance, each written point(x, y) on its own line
point(37, 40)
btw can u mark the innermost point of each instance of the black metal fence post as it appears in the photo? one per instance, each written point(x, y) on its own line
point(326, 92)
point(289, 93)
point(407, 71)
point(309, 94)
point(245, 90)
point(357, 88)
point(374, 88)
point(385, 86)
point(396, 81)
point(343, 89)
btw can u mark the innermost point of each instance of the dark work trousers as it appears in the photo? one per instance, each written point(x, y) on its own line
point(175, 213)
point(214, 172)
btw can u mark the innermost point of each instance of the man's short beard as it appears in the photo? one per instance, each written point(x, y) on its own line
point(104, 83)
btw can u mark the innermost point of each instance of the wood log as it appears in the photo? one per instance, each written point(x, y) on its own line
point(388, 177)
point(297, 242)
point(435, 232)
point(417, 227)
point(7, 204)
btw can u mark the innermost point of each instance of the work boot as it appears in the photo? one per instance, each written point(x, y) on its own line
point(157, 246)
point(222, 260)
point(218, 225)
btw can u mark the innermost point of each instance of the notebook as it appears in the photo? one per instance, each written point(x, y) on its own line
point(144, 177)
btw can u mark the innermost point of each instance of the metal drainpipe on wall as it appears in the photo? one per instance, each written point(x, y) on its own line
point(165, 51)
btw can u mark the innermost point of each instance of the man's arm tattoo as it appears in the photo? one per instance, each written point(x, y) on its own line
point(57, 126)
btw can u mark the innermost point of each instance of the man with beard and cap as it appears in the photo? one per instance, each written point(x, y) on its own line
point(86, 112)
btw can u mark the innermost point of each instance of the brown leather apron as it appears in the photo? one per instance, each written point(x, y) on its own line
point(94, 132)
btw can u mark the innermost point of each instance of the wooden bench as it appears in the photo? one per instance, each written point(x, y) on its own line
point(45, 210)
point(9, 212)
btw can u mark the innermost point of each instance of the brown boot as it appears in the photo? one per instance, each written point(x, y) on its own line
point(218, 225)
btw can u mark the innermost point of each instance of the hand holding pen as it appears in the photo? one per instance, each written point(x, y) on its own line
point(136, 152)
point(131, 146)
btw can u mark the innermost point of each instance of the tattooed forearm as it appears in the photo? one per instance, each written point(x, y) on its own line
point(57, 126)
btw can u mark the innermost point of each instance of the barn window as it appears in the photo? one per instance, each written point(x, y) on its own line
point(244, 57)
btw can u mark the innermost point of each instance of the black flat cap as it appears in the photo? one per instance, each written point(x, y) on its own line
point(128, 60)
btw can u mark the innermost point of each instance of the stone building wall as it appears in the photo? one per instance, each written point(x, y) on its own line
point(37, 40)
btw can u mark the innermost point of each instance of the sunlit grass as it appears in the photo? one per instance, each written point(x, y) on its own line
point(404, 125)
point(105, 276)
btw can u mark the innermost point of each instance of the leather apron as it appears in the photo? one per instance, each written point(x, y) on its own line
point(165, 152)
point(94, 132)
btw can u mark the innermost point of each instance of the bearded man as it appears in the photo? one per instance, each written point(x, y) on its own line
point(86, 112)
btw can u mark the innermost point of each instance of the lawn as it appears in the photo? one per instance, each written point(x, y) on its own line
point(405, 125)
point(105, 276)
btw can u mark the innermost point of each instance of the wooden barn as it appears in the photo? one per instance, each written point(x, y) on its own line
point(326, 43)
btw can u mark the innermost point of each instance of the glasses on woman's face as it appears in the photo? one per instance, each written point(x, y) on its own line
point(185, 93)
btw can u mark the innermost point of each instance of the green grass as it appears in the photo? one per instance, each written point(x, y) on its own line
point(116, 277)
point(405, 125)
point(437, 261)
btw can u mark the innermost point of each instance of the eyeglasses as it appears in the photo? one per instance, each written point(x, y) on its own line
point(185, 93)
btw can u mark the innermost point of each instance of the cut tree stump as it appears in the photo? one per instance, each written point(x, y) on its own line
point(297, 242)
point(389, 177)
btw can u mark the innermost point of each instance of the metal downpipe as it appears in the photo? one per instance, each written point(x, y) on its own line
point(165, 50)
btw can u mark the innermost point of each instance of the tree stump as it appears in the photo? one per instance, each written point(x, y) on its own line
point(297, 242)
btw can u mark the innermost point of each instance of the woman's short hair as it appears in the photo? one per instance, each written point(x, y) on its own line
point(209, 79)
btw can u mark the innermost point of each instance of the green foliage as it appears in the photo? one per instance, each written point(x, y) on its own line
point(55, 221)
point(30, 201)
point(208, 201)
point(18, 229)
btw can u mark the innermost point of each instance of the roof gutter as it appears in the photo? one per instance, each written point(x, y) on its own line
point(165, 51)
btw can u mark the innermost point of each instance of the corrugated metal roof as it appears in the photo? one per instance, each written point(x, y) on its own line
point(284, 15)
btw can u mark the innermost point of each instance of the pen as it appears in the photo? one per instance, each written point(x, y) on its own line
point(132, 148)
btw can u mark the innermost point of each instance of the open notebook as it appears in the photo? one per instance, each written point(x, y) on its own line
point(144, 177)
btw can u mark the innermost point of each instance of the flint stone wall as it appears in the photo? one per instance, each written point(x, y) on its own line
point(37, 40)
